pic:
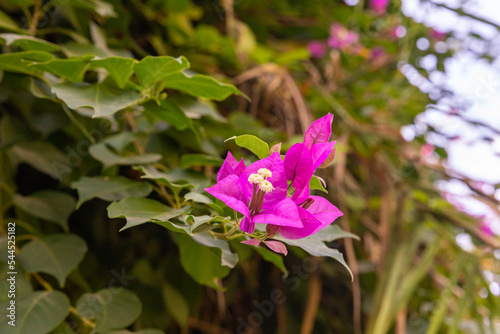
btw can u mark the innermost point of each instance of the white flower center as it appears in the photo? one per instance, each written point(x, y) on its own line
point(255, 178)
point(265, 173)
point(266, 186)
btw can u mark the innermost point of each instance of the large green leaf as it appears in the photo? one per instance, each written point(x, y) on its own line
point(36, 313)
point(202, 263)
point(141, 210)
point(153, 69)
point(113, 308)
point(7, 23)
point(201, 86)
point(171, 179)
point(193, 159)
point(105, 100)
point(228, 258)
point(168, 112)
point(28, 43)
point(107, 157)
point(51, 205)
point(109, 188)
point(119, 68)
point(55, 254)
point(316, 248)
point(43, 156)
point(253, 144)
point(71, 69)
point(19, 62)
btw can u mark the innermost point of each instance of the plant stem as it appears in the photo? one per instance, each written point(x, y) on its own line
point(37, 13)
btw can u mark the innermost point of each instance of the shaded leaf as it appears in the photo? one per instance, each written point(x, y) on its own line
point(51, 205)
point(141, 210)
point(113, 308)
point(228, 258)
point(107, 157)
point(55, 254)
point(202, 263)
point(37, 313)
point(109, 188)
point(43, 156)
point(168, 112)
point(189, 160)
point(316, 248)
point(103, 99)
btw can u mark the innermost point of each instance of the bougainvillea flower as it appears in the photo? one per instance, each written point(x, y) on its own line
point(316, 212)
point(259, 194)
point(316, 49)
point(341, 37)
point(230, 166)
point(379, 6)
point(316, 140)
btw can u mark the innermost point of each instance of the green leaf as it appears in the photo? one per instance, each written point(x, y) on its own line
point(28, 42)
point(7, 23)
point(153, 69)
point(109, 188)
point(194, 224)
point(228, 258)
point(138, 211)
point(201, 86)
point(71, 69)
point(119, 68)
point(198, 198)
point(103, 99)
point(317, 248)
point(267, 255)
point(168, 112)
point(51, 205)
point(37, 313)
point(113, 308)
point(202, 263)
point(107, 157)
point(170, 178)
point(189, 160)
point(19, 62)
point(175, 304)
point(253, 144)
point(315, 183)
point(43, 156)
point(55, 254)
point(332, 233)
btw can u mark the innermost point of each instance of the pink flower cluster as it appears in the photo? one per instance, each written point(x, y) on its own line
point(276, 192)
point(344, 40)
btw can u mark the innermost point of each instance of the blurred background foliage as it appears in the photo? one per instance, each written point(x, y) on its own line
point(410, 275)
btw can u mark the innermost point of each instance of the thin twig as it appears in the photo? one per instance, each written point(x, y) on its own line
point(37, 13)
point(312, 305)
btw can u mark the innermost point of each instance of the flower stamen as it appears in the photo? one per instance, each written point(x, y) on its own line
point(265, 173)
